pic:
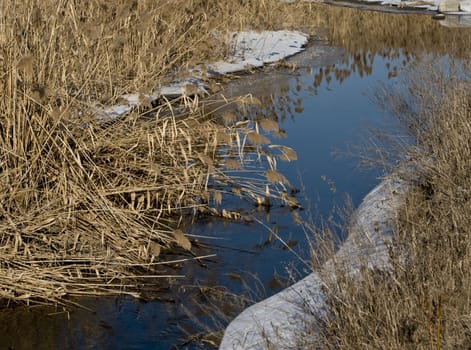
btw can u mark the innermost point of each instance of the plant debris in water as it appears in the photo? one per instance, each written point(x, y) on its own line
point(90, 208)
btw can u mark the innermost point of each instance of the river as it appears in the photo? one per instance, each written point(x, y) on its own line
point(326, 104)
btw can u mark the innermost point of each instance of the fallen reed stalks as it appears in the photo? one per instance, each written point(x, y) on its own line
point(92, 208)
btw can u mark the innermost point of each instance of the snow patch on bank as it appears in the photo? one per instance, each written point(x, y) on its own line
point(283, 320)
point(431, 5)
point(248, 50)
point(254, 49)
point(465, 6)
point(454, 7)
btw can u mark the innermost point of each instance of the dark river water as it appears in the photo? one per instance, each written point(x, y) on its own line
point(326, 107)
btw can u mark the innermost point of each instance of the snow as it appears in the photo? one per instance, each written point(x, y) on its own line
point(184, 87)
point(465, 6)
point(462, 7)
point(254, 49)
point(249, 49)
point(431, 5)
point(283, 319)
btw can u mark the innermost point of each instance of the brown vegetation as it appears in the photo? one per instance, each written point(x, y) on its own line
point(423, 301)
point(89, 207)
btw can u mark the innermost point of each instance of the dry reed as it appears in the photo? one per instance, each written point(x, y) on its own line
point(422, 301)
point(91, 208)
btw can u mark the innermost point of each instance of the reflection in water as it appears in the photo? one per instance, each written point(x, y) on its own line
point(391, 35)
point(366, 36)
point(318, 107)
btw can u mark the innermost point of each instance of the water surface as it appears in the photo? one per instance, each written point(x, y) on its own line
point(325, 107)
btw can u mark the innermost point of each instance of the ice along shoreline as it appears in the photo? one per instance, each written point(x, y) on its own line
point(249, 50)
point(285, 318)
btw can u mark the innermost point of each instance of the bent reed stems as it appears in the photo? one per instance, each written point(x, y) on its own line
point(90, 208)
point(87, 208)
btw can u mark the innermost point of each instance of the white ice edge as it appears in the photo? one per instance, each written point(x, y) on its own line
point(250, 49)
point(431, 5)
point(459, 7)
point(280, 320)
point(465, 6)
point(254, 49)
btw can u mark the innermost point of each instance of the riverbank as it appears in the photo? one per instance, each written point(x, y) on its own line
point(287, 319)
point(371, 55)
point(391, 287)
point(421, 301)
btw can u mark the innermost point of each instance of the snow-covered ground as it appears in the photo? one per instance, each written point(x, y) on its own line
point(431, 5)
point(283, 320)
point(460, 7)
point(252, 49)
point(465, 6)
point(249, 49)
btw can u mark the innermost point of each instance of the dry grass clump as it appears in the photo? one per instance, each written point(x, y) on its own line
point(101, 49)
point(89, 207)
point(84, 204)
point(423, 301)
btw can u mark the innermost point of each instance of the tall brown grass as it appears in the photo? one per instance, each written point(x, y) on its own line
point(84, 204)
point(88, 207)
point(423, 300)
point(98, 50)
